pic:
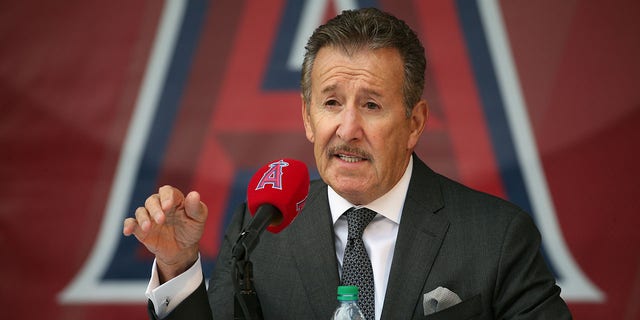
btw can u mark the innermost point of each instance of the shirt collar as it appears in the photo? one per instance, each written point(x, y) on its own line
point(389, 205)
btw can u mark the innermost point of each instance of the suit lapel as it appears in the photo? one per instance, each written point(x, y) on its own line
point(312, 245)
point(419, 238)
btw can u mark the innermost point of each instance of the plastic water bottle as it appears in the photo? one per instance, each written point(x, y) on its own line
point(348, 308)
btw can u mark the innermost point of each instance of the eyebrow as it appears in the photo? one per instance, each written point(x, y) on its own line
point(329, 88)
point(333, 87)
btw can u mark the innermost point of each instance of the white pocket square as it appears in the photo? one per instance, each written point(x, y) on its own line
point(439, 299)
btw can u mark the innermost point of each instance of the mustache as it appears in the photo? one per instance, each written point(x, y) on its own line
point(347, 149)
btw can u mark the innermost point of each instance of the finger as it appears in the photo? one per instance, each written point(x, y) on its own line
point(154, 209)
point(131, 227)
point(130, 224)
point(170, 198)
point(195, 208)
point(143, 220)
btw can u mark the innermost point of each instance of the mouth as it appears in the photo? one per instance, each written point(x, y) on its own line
point(349, 158)
point(350, 155)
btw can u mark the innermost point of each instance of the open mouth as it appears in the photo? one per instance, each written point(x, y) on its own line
point(349, 154)
point(350, 158)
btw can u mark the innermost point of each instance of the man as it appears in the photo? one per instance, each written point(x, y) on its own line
point(362, 82)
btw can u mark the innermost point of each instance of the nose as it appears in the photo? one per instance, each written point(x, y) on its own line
point(350, 125)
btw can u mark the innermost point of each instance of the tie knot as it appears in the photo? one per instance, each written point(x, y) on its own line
point(357, 220)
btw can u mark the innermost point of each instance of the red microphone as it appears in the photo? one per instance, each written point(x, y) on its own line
point(275, 195)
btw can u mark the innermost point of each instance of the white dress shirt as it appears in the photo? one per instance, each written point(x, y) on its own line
point(380, 235)
point(379, 239)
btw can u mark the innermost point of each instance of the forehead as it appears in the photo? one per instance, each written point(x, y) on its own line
point(378, 67)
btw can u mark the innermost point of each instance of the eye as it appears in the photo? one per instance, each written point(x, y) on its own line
point(331, 103)
point(372, 106)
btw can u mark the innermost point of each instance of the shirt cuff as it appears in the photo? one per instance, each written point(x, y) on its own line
point(169, 295)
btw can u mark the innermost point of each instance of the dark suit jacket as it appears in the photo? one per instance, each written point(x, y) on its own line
point(484, 249)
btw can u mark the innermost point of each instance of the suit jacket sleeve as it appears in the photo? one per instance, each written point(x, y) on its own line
point(525, 289)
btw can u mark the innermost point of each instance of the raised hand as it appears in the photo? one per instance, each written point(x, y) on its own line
point(170, 225)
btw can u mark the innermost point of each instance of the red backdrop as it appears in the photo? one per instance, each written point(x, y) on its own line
point(72, 73)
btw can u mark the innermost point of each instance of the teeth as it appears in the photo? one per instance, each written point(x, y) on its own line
point(349, 158)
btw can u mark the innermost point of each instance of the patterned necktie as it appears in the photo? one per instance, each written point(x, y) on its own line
point(356, 266)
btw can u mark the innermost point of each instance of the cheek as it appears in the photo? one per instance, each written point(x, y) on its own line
point(320, 132)
point(389, 138)
point(392, 145)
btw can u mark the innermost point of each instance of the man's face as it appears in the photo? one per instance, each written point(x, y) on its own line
point(357, 121)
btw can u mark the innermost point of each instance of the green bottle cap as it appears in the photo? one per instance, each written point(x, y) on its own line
point(347, 293)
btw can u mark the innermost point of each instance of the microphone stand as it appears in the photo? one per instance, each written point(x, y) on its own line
point(246, 303)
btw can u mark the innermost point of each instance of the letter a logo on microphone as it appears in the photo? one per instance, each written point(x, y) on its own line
point(273, 175)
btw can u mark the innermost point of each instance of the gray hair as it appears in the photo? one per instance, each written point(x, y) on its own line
point(369, 28)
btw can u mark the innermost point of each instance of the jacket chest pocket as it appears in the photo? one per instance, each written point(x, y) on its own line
point(465, 310)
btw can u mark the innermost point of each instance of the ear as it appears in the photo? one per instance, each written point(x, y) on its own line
point(306, 119)
point(417, 122)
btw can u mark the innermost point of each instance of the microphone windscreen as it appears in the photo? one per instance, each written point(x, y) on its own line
point(282, 183)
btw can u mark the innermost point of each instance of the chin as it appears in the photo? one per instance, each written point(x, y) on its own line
point(356, 194)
